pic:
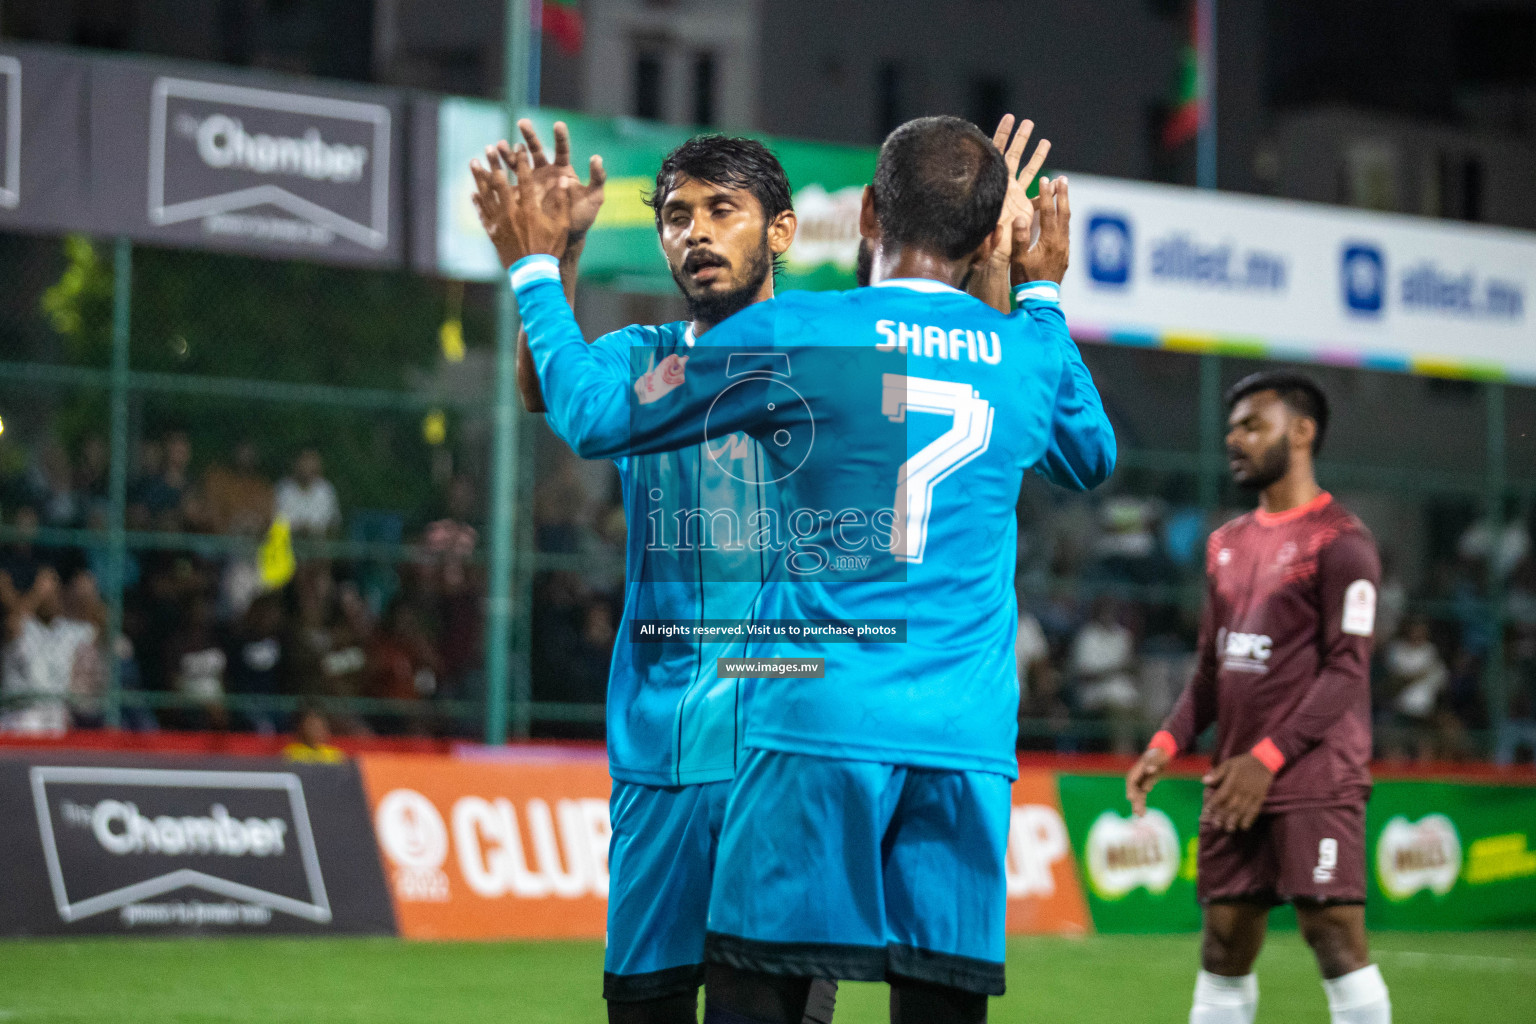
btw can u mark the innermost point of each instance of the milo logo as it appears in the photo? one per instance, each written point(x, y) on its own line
point(1413, 856)
point(829, 228)
point(1123, 854)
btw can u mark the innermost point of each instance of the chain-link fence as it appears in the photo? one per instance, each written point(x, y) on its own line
point(350, 408)
point(355, 407)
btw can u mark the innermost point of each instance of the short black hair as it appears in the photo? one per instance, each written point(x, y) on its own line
point(939, 184)
point(730, 162)
point(1300, 393)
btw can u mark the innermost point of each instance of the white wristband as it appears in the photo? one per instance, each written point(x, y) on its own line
point(1040, 291)
point(538, 267)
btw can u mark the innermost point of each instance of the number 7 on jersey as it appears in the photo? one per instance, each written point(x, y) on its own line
point(968, 435)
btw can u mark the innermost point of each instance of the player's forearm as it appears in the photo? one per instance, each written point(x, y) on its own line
point(587, 404)
point(989, 283)
point(1342, 680)
point(1082, 450)
point(527, 375)
point(1348, 572)
point(1190, 715)
point(1195, 709)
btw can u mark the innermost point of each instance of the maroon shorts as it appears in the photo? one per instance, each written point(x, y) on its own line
point(1312, 853)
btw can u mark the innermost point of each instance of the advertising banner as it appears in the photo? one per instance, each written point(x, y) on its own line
point(44, 142)
point(1439, 855)
point(1044, 897)
point(1451, 856)
point(1158, 265)
point(492, 850)
point(274, 167)
point(150, 846)
point(1138, 873)
point(485, 850)
point(622, 248)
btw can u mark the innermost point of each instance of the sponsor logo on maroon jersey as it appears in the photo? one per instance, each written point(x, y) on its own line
point(1245, 652)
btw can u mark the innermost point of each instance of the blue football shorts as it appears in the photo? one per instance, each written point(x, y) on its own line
point(660, 861)
point(862, 871)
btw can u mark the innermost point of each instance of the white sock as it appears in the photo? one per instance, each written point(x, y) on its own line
point(1359, 997)
point(1222, 1000)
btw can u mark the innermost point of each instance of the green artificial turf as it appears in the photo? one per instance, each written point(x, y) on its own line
point(1434, 978)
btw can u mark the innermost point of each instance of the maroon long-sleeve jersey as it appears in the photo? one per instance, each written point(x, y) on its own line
point(1285, 651)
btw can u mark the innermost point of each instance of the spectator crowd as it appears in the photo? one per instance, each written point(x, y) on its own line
point(1109, 589)
point(205, 626)
point(1109, 593)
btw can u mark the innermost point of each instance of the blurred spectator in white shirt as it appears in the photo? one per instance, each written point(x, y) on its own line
point(1031, 651)
point(307, 499)
point(1103, 667)
point(1417, 676)
point(42, 651)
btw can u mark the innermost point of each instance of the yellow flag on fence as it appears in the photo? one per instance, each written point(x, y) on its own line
point(274, 559)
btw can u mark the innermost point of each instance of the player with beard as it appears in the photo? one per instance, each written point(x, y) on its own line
point(1284, 673)
point(724, 217)
point(866, 831)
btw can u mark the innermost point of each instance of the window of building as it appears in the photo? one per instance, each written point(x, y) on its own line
point(648, 83)
point(890, 99)
point(1496, 46)
point(1461, 186)
point(987, 101)
point(704, 89)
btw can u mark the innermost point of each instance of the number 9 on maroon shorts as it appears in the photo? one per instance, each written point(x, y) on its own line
point(1313, 853)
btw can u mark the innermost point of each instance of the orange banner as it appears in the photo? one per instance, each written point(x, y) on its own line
point(1044, 896)
point(490, 850)
point(493, 850)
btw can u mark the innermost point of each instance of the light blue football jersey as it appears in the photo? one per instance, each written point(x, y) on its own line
point(670, 720)
point(911, 397)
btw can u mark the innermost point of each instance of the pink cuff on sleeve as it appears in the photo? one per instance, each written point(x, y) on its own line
point(1266, 751)
point(1163, 740)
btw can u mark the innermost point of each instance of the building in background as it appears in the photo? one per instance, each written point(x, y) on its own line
point(1405, 105)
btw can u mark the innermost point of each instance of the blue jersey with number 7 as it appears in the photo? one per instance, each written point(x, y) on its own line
point(897, 423)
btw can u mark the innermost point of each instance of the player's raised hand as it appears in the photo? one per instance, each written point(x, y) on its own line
point(1047, 259)
point(1235, 792)
point(586, 200)
point(1142, 777)
point(1016, 203)
point(494, 200)
point(522, 218)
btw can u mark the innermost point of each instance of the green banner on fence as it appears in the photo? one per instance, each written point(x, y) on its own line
point(1439, 855)
point(1443, 855)
point(1138, 873)
point(622, 250)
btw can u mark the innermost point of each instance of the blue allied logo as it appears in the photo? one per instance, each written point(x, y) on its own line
point(1109, 250)
point(1364, 274)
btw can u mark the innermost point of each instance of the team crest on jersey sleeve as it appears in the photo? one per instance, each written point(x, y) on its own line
point(1360, 608)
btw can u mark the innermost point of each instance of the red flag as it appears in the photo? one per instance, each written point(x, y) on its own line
point(562, 21)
